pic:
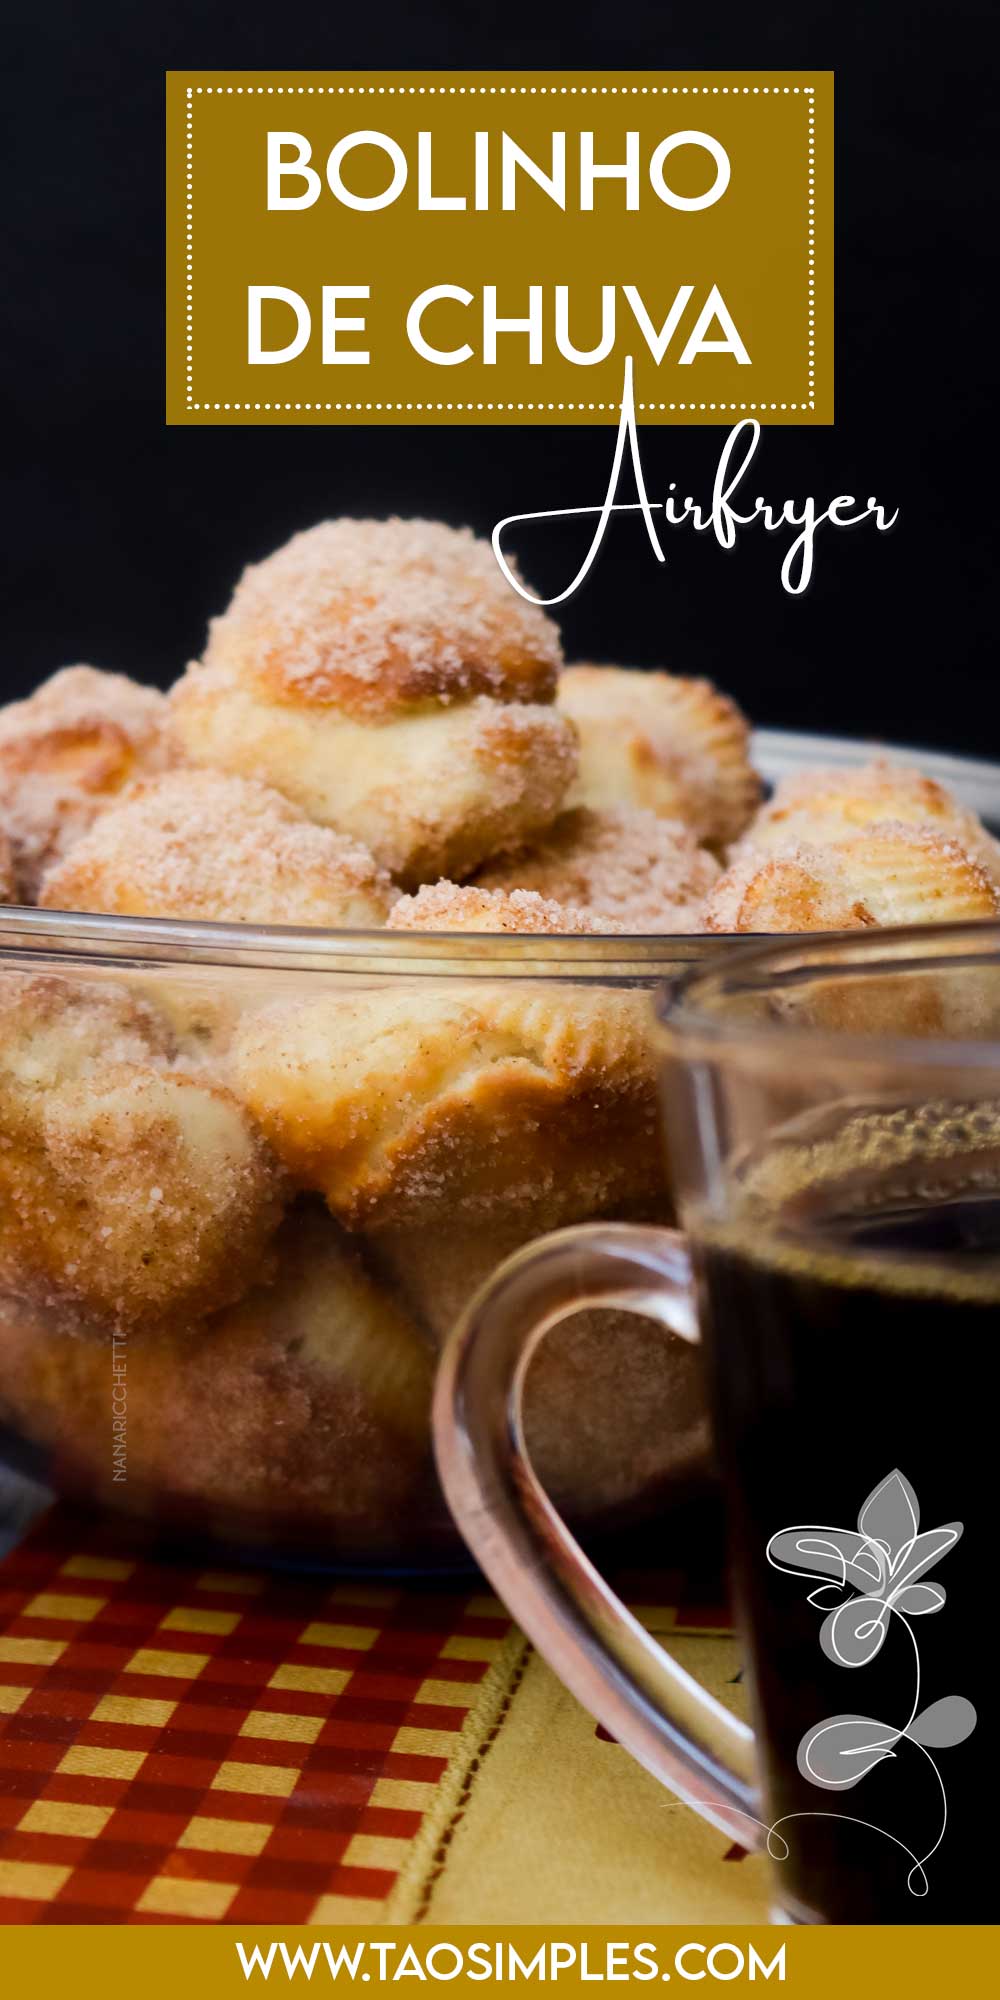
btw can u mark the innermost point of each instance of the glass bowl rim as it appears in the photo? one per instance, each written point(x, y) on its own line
point(32, 936)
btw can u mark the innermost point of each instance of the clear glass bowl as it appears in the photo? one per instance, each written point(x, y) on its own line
point(234, 1336)
point(189, 1333)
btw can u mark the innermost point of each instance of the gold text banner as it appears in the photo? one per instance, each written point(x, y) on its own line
point(810, 1963)
point(401, 247)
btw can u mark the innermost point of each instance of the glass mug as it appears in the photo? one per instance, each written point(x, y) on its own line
point(832, 1115)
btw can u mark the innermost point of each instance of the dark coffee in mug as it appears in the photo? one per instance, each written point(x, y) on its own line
point(850, 1307)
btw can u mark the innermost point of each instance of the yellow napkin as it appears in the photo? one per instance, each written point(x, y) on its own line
point(541, 1818)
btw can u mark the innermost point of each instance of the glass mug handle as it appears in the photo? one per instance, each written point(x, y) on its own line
point(673, 1726)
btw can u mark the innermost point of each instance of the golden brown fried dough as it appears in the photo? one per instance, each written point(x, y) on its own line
point(485, 1098)
point(443, 906)
point(203, 845)
point(673, 745)
point(56, 1030)
point(308, 1401)
point(822, 806)
point(891, 874)
point(145, 1192)
point(126, 1188)
point(386, 677)
point(643, 873)
point(65, 752)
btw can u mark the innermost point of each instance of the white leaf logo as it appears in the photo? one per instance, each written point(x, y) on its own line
point(839, 1752)
point(865, 1578)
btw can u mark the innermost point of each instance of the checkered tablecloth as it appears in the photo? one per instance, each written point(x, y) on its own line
point(206, 1745)
point(198, 1745)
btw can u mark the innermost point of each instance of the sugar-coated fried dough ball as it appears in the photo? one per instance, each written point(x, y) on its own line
point(371, 615)
point(182, 1192)
point(614, 1405)
point(386, 677)
point(443, 906)
point(847, 850)
point(478, 1099)
point(674, 745)
point(65, 752)
point(642, 873)
point(431, 793)
point(821, 805)
point(308, 1401)
point(205, 845)
point(893, 873)
point(56, 1030)
point(126, 1187)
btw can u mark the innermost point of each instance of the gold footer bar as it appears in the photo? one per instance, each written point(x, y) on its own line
point(170, 1960)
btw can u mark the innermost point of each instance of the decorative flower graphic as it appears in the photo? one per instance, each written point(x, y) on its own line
point(883, 1559)
point(882, 1564)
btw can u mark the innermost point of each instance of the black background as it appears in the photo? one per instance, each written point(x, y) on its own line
point(122, 535)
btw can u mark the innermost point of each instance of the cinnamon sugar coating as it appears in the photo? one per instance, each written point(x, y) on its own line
point(621, 863)
point(306, 1401)
point(56, 1030)
point(204, 845)
point(413, 1100)
point(823, 805)
point(126, 1187)
point(663, 741)
point(444, 906)
point(371, 617)
point(893, 873)
point(65, 752)
point(386, 677)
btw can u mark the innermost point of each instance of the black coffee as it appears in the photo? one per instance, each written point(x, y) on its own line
point(851, 1313)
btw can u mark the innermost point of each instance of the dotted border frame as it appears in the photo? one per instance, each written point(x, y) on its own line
point(501, 90)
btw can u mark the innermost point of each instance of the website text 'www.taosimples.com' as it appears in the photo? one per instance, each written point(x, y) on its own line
point(380, 1962)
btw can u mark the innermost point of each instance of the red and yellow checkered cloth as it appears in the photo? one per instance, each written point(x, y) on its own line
point(198, 1746)
point(202, 1745)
